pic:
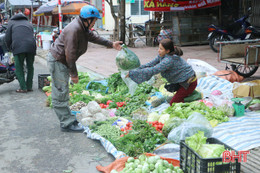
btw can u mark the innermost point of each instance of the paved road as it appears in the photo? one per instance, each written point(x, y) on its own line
point(30, 138)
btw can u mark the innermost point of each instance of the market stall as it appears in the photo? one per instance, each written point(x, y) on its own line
point(132, 121)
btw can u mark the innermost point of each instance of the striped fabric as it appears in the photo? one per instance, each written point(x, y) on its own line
point(210, 83)
point(242, 133)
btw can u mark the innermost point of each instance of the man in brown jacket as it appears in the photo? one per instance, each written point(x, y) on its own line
point(64, 52)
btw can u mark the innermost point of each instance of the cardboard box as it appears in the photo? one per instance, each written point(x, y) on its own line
point(246, 89)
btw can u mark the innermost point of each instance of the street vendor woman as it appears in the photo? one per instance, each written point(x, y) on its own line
point(172, 67)
point(62, 57)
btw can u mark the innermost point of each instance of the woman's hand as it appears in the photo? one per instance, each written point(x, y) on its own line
point(116, 45)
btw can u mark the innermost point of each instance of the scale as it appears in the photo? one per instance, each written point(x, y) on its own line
point(238, 106)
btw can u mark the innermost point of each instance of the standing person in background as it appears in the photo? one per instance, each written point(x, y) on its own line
point(21, 42)
point(1, 19)
point(172, 67)
point(64, 52)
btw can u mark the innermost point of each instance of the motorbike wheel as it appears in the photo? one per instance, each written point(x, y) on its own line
point(213, 41)
point(245, 71)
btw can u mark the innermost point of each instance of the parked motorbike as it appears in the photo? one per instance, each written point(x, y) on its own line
point(235, 31)
point(137, 28)
point(7, 69)
point(252, 32)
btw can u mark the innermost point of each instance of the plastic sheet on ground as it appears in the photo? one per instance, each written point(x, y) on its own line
point(169, 151)
point(240, 133)
point(109, 147)
point(210, 83)
point(201, 66)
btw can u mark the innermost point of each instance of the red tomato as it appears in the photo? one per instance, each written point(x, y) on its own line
point(160, 126)
point(109, 101)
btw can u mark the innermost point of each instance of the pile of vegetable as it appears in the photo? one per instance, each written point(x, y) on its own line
point(110, 104)
point(198, 143)
point(140, 138)
point(152, 164)
point(158, 125)
point(184, 110)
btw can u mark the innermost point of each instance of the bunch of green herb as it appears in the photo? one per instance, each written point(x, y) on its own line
point(98, 87)
point(136, 101)
point(81, 85)
point(142, 138)
point(116, 84)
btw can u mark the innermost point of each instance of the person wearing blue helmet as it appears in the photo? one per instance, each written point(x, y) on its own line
point(64, 52)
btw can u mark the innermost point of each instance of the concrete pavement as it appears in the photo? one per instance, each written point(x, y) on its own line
point(30, 136)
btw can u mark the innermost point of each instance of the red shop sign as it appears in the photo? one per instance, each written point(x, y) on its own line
point(175, 5)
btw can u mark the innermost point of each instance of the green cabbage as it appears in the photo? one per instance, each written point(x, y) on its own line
point(211, 150)
point(196, 141)
point(154, 116)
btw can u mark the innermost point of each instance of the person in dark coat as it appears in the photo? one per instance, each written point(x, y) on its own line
point(21, 42)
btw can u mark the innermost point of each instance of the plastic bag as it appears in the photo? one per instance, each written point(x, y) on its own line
point(126, 59)
point(196, 122)
point(129, 82)
point(6, 59)
point(229, 75)
point(201, 66)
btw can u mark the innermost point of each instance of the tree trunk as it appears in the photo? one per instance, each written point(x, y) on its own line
point(122, 21)
point(115, 17)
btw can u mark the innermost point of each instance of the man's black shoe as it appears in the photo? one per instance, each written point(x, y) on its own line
point(73, 128)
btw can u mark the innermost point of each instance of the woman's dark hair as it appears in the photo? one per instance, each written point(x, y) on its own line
point(169, 45)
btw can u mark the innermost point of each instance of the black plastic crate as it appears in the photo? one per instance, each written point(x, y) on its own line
point(43, 81)
point(191, 162)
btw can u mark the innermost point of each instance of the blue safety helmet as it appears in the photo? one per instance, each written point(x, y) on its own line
point(89, 11)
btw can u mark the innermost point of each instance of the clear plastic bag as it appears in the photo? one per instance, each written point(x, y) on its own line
point(196, 122)
point(129, 82)
point(201, 66)
point(127, 59)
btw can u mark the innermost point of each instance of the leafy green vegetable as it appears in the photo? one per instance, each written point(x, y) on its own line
point(184, 110)
point(143, 138)
point(211, 150)
point(195, 141)
point(127, 59)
